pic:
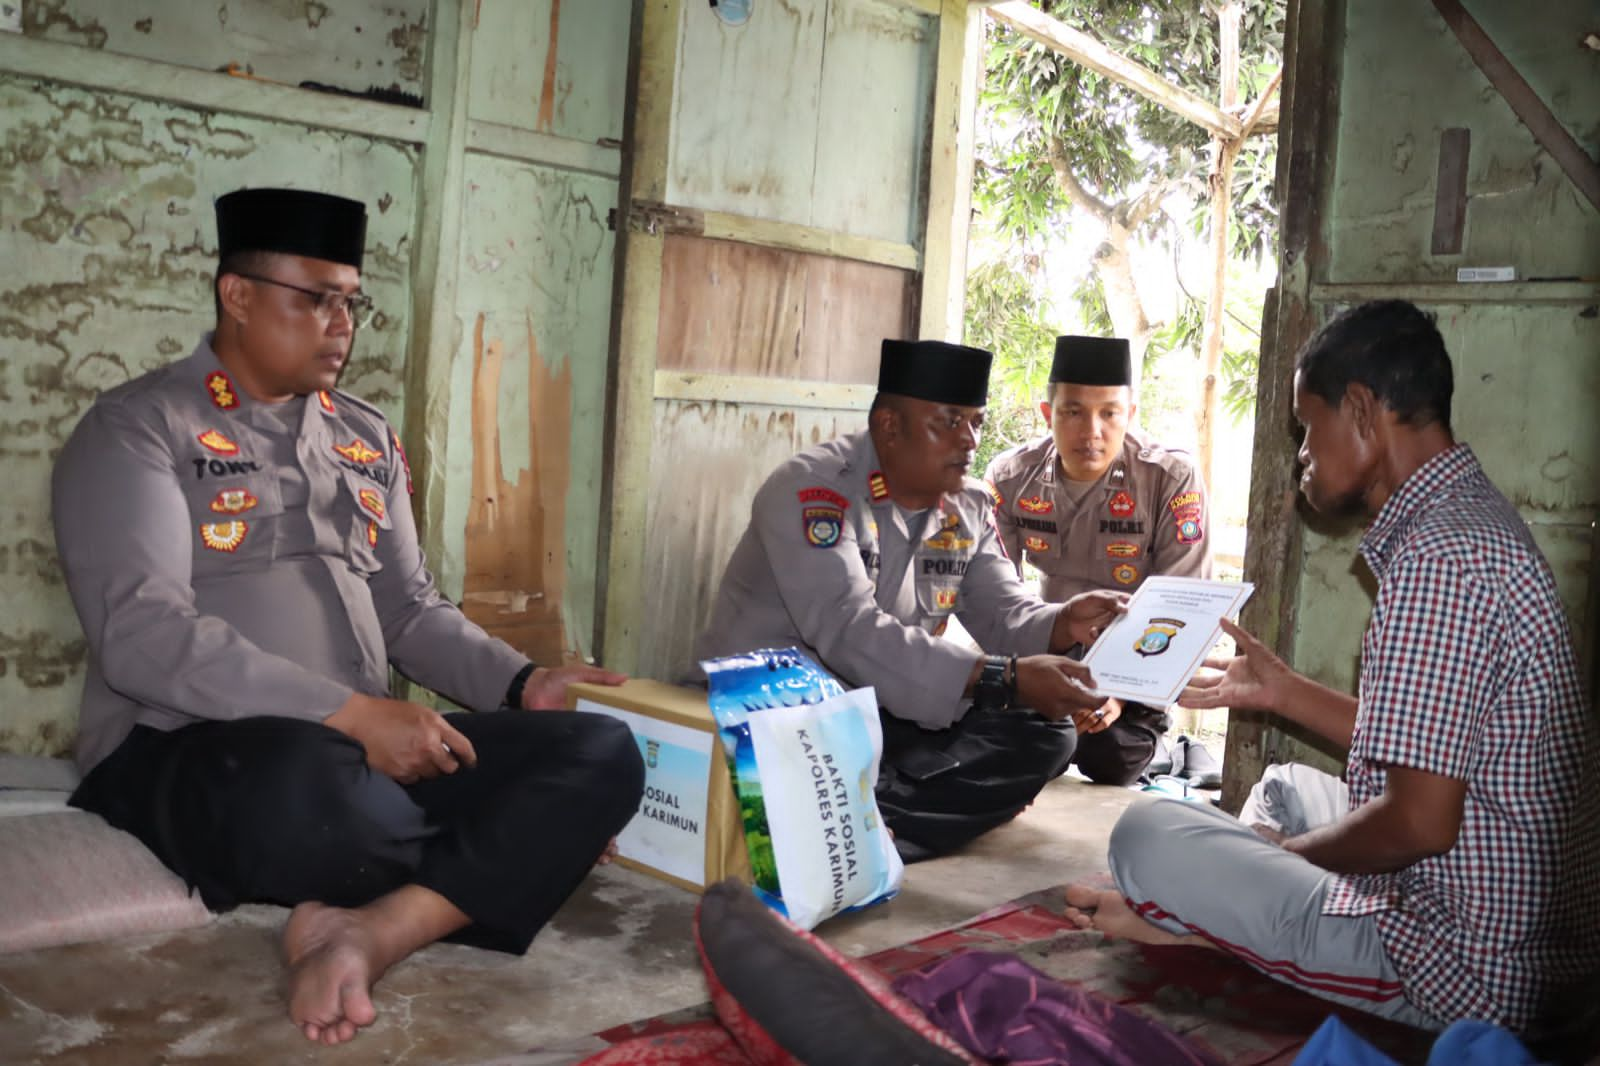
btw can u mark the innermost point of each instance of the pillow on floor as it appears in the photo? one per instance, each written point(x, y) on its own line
point(67, 877)
point(789, 998)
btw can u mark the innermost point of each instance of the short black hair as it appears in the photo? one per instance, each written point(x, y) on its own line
point(246, 262)
point(1392, 348)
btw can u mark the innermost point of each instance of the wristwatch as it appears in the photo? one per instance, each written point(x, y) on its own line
point(996, 685)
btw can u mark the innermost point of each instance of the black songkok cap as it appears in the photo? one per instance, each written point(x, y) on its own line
point(292, 221)
point(1092, 361)
point(935, 371)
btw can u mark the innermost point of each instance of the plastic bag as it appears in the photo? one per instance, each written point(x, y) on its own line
point(804, 757)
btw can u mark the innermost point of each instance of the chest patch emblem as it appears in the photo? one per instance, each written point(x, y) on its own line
point(949, 538)
point(358, 452)
point(234, 501)
point(1158, 637)
point(221, 390)
point(877, 486)
point(223, 536)
point(1125, 573)
point(944, 599)
point(1036, 505)
point(822, 525)
point(372, 534)
point(1121, 505)
point(1036, 544)
point(371, 502)
point(1122, 549)
point(216, 442)
point(325, 401)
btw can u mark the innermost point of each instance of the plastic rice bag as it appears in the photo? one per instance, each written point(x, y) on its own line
point(804, 755)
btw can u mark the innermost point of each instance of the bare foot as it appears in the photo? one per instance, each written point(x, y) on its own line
point(334, 960)
point(1108, 912)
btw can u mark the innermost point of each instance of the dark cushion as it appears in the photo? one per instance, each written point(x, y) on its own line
point(789, 998)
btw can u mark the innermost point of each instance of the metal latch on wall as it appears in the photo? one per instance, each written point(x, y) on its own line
point(652, 217)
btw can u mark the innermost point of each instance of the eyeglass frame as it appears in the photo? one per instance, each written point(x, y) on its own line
point(358, 305)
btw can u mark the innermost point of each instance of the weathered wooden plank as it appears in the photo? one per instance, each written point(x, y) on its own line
point(508, 142)
point(948, 210)
point(770, 392)
point(1450, 190)
point(1518, 293)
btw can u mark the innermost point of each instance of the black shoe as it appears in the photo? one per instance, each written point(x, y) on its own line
point(1200, 769)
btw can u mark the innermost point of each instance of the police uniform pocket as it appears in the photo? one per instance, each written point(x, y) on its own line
point(365, 504)
point(231, 516)
point(939, 594)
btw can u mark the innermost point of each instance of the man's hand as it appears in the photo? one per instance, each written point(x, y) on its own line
point(546, 689)
point(1056, 687)
point(1096, 720)
point(406, 741)
point(1253, 680)
point(1269, 834)
point(1081, 618)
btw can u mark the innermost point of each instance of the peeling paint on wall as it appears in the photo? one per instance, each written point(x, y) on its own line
point(107, 202)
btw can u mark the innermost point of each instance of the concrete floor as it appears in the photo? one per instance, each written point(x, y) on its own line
point(620, 950)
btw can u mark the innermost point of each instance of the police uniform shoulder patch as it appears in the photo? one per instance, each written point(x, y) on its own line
point(224, 536)
point(823, 523)
point(821, 494)
point(1188, 517)
point(218, 443)
point(222, 392)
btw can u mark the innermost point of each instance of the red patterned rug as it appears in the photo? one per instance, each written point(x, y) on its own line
point(1216, 1002)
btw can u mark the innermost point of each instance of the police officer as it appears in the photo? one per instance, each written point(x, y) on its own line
point(237, 539)
point(1093, 505)
point(861, 549)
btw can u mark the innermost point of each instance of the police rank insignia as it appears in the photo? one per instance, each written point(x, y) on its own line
point(221, 389)
point(1186, 515)
point(372, 534)
point(223, 536)
point(1122, 549)
point(325, 400)
point(994, 493)
point(877, 486)
point(1125, 573)
point(1036, 505)
point(1036, 544)
point(1158, 637)
point(371, 502)
point(401, 452)
point(949, 538)
point(1121, 505)
point(234, 501)
point(218, 443)
point(358, 452)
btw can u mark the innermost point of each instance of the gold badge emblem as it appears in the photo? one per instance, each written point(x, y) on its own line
point(325, 400)
point(218, 443)
point(372, 534)
point(877, 486)
point(221, 390)
point(1036, 544)
point(371, 502)
point(944, 599)
point(234, 501)
point(358, 452)
point(949, 538)
point(1125, 573)
point(223, 536)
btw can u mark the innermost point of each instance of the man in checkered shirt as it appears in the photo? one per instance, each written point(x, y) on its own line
point(1455, 876)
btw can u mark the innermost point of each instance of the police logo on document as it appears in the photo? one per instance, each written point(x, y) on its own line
point(234, 501)
point(216, 442)
point(223, 536)
point(221, 390)
point(1157, 638)
point(652, 753)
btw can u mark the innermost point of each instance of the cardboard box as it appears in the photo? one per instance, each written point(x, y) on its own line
point(688, 830)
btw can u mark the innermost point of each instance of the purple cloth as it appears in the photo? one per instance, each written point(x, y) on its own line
point(1005, 1011)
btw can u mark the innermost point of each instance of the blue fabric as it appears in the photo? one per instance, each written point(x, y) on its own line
point(1333, 1044)
point(1465, 1043)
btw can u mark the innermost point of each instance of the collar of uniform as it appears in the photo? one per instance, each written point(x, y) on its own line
point(1383, 536)
point(213, 382)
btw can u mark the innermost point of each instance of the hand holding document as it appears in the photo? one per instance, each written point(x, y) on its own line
point(1171, 625)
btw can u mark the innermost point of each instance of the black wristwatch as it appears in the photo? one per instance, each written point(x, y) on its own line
point(518, 683)
point(997, 684)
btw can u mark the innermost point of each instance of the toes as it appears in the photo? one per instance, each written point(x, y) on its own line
point(1083, 897)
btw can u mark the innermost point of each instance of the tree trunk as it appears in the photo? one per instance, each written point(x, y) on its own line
point(1114, 266)
point(1223, 155)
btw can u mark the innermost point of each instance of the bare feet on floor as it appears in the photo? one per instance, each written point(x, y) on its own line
point(1105, 910)
point(334, 960)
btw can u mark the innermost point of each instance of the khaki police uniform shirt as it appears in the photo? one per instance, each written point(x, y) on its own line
point(811, 571)
point(1148, 514)
point(230, 559)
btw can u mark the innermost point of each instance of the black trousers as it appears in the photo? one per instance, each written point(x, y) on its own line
point(1118, 754)
point(937, 790)
point(284, 810)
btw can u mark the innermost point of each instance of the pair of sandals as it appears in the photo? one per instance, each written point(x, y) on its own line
point(1187, 762)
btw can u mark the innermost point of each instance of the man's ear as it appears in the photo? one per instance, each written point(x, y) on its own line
point(1045, 412)
point(1364, 408)
point(885, 423)
point(235, 297)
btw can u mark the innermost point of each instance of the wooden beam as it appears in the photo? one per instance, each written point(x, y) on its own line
point(1582, 293)
point(1552, 136)
point(544, 149)
point(1082, 48)
point(771, 392)
point(654, 218)
point(948, 213)
point(1450, 191)
point(70, 64)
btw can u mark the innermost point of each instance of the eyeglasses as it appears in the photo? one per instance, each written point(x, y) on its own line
point(327, 304)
